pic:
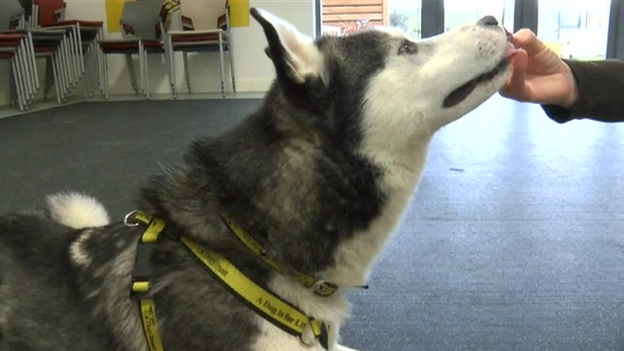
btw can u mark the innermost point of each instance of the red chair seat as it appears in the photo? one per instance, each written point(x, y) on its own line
point(127, 45)
point(95, 24)
point(6, 55)
point(42, 49)
point(10, 40)
point(197, 37)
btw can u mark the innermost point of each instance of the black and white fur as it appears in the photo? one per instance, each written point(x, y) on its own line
point(320, 175)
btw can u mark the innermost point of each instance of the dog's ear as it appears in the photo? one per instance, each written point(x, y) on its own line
point(294, 54)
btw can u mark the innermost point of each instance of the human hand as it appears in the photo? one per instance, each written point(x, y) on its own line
point(539, 75)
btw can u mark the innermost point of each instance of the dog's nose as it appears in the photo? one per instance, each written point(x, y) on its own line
point(488, 21)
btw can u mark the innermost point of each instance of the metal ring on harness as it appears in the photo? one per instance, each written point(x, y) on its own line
point(127, 222)
point(307, 344)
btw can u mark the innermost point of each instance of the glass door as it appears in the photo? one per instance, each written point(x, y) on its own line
point(342, 17)
point(406, 14)
point(575, 29)
point(457, 12)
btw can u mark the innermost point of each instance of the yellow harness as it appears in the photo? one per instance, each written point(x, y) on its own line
point(282, 314)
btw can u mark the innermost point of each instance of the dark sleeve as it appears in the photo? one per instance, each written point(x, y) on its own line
point(601, 92)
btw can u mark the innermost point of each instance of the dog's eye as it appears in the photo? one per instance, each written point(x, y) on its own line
point(407, 47)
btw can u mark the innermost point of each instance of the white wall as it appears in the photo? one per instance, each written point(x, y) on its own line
point(254, 72)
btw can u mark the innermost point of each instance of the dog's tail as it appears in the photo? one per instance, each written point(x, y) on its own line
point(77, 210)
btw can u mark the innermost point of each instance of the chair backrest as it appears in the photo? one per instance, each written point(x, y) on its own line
point(171, 14)
point(27, 6)
point(172, 18)
point(11, 15)
point(141, 18)
point(50, 11)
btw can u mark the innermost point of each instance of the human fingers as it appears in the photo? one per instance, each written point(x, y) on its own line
point(515, 87)
point(527, 40)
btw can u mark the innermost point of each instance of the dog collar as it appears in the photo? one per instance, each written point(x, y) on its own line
point(282, 314)
point(320, 286)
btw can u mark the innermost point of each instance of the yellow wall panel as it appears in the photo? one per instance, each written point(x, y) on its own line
point(113, 14)
point(239, 13)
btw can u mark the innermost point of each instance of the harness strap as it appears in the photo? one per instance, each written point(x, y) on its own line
point(141, 281)
point(321, 287)
point(279, 312)
point(268, 305)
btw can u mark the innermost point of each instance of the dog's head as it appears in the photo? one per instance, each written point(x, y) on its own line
point(377, 89)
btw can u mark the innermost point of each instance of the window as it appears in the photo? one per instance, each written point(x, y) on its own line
point(458, 12)
point(575, 29)
point(341, 17)
point(406, 14)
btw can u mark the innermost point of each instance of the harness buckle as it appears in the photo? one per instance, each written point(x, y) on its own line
point(304, 343)
point(142, 271)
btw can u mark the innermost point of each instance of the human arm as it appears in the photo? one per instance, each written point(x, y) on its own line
point(600, 92)
point(566, 89)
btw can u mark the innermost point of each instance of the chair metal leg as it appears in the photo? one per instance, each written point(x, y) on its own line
point(20, 55)
point(80, 53)
point(24, 83)
point(101, 57)
point(48, 79)
point(12, 85)
point(68, 61)
point(92, 70)
point(141, 69)
point(87, 75)
point(221, 65)
point(33, 59)
point(186, 71)
point(147, 87)
point(132, 73)
point(27, 54)
point(56, 79)
point(61, 69)
point(168, 64)
point(174, 88)
point(105, 76)
point(232, 68)
point(71, 54)
point(31, 68)
point(69, 72)
point(75, 55)
point(16, 79)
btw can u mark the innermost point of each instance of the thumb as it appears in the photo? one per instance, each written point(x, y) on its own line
point(516, 88)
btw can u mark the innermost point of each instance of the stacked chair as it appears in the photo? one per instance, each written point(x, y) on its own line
point(15, 48)
point(75, 51)
point(140, 24)
point(33, 44)
point(36, 30)
point(179, 35)
point(79, 43)
point(12, 48)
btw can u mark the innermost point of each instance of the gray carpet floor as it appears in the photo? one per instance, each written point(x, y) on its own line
point(512, 242)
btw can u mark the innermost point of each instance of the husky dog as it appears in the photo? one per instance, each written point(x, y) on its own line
point(318, 176)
